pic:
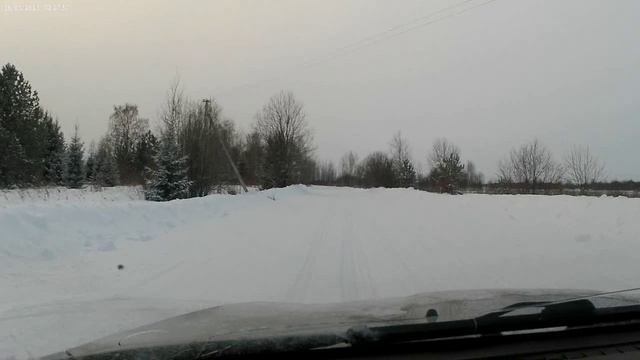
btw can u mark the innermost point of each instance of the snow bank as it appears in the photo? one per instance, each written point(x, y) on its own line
point(48, 224)
point(299, 244)
point(117, 193)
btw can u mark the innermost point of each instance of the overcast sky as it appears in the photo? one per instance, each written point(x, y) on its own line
point(487, 78)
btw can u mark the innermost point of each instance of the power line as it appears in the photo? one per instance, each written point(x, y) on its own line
point(390, 33)
point(376, 36)
point(418, 26)
point(207, 106)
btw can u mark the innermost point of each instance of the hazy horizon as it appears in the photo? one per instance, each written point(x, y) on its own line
point(488, 78)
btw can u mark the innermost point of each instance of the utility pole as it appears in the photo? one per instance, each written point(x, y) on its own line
point(207, 104)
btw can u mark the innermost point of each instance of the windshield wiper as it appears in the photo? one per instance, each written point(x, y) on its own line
point(573, 313)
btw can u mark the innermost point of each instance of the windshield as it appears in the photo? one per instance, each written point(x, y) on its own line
point(159, 159)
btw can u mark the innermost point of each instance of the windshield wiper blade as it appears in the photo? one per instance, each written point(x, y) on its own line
point(530, 304)
point(573, 313)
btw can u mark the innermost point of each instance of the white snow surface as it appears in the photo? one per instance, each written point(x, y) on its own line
point(60, 285)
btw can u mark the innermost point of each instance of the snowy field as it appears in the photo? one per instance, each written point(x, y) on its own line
point(60, 284)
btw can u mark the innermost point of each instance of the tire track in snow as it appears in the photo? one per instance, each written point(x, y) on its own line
point(410, 280)
point(299, 289)
point(348, 277)
point(363, 267)
point(356, 280)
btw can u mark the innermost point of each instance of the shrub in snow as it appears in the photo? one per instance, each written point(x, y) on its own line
point(377, 170)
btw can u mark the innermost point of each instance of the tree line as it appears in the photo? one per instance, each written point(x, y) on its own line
point(529, 168)
point(395, 168)
point(196, 150)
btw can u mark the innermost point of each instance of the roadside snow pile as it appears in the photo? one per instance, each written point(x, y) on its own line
point(118, 193)
point(61, 285)
point(49, 224)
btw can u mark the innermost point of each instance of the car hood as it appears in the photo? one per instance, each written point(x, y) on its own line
point(250, 327)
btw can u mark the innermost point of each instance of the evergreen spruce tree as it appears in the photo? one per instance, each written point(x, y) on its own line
point(168, 181)
point(20, 118)
point(447, 173)
point(12, 159)
point(105, 172)
point(74, 166)
point(90, 164)
point(405, 173)
point(54, 152)
point(145, 149)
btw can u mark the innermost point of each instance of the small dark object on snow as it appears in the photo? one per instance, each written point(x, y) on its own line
point(120, 266)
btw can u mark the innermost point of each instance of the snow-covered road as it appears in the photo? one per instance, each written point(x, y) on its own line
point(60, 286)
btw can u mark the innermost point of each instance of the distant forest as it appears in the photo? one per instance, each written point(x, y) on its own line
point(196, 151)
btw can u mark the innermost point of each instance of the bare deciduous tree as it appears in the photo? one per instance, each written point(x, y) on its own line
point(349, 169)
point(446, 173)
point(200, 130)
point(473, 176)
point(174, 108)
point(252, 157)
point(377, 170)
point(402, 164)
point(326, 173)
point(582, 167)
point(126, 128)
point(399, 148)
point(286, 136)
point(442, 149)
point(530, 165)
point(349, 164)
